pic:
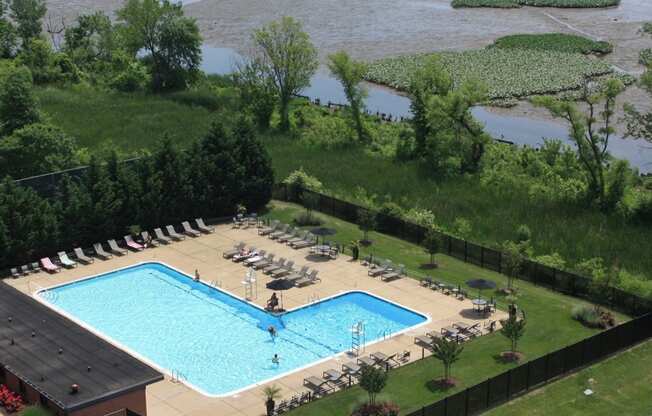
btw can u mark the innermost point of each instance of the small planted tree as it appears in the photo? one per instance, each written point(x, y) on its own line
point(513, 329)
point(373, 381)
point(448, 352)
point(271, 393)
point(432, 245)
point(310, 201)
point(366, 223)
point(514, 254)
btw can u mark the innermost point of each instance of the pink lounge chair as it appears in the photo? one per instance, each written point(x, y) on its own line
point(49, 266)
point(132, 244)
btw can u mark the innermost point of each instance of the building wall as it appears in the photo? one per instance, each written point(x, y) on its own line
point(134, 401)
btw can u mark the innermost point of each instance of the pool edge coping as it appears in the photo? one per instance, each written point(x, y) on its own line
point(170, 372)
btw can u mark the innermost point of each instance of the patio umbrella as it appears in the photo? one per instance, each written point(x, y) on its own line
point(323, 231)
point(481, 284)
point(280, 285)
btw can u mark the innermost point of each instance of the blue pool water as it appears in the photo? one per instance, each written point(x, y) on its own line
point(218, 342)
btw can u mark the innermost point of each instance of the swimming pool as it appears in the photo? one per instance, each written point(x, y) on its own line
point(216, 341)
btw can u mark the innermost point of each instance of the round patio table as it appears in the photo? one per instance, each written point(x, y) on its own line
point(479, 304)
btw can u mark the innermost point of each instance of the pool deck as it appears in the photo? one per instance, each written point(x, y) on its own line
point(168, 398)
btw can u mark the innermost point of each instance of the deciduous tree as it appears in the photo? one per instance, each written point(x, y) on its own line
point(18, 106)
point(350, 74)
point(288, 58)
point(28, 15)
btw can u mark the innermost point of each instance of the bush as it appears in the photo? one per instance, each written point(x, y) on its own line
point(379, 409)
point(305, 219)
point(555, 42)
point(593, 317)
point(523, 234)
point(647, 28)
point(386, 214)
point(299, 180)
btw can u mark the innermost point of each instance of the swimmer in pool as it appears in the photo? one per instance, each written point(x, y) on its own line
point(272, 331)
point(276, 360)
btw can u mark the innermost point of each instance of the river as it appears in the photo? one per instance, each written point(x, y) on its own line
point(520, 130)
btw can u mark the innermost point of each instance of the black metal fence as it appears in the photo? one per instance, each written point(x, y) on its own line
point(558, 280)
point(533, 374)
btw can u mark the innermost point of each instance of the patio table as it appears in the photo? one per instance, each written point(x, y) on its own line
point(479, 304)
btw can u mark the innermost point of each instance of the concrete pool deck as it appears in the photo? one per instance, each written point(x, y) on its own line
point(169, 398)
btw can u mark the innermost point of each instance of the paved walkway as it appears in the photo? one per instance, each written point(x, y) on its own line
point(168, 398)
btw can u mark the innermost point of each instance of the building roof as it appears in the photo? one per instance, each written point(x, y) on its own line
point(51, 353)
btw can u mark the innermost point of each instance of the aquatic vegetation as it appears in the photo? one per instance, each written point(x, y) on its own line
point(508, 73)
point(535, 3)
point(645, 57)
point(560, 42)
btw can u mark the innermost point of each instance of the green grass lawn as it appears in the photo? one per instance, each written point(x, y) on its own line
point(129, 122)
point(549, 324)
point(622, 385)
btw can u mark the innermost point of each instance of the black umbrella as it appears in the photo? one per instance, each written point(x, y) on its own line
point(323, 231)
point(481, 284)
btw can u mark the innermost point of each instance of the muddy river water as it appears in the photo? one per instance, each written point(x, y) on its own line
point(372, 29)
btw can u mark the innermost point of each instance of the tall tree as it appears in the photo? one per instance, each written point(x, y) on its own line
point(28, 15)
point(513, 329)
point(590, 132)
point(257, 91)
point(171, 40)
point(91, 40)
point(350, 74)
point(288, 58)
point(373, 381)
point(430, 79)
point(18, 106)
point(448, 352)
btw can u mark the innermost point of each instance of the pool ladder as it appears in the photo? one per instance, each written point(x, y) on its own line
point(385, 333)
point(216, 283)
point(178, 376)
point(314, 298)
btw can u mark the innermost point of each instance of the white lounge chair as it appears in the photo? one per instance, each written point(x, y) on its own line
point(65, 260)
point(308, 280)
point(173, 234)
point(99, 252)
point(160, 237)
point(79, 253)
point(113, 248)
point(236, 249)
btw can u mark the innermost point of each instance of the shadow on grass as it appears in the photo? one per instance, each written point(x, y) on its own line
point(441, 384)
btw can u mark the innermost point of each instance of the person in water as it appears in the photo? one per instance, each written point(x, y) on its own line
point(276, 359)
point(272, 331)
point(196, 275)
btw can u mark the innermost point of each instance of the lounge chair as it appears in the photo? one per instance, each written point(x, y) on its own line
point(237, 222)
point(245, 254)
point(336, 378)
point(79, 253)
point(99, 251)
point(65, 260)
point(206, 229)
point(160, 237)
point(129, 241)
point(424, 341)
point(393, 274)
point(35, 267)
point(309, 241)
point(255, 259)
point(49, 266)
point(308, 280)
point(289, 267)
point(317, 384)
point(264, 262)
point(188, 230)
point(235, 250)
point(268, 230)
point(14, 272)
point(300, 236)
point(281, 231)
point(275, 266)
point(427, 282)
point(173, 234)
point(385, 360)
point(290, 235)
point(376, 269)
point(147, 239)
point(368, 361)
point(351, 368)
point(24, 270)
point(297, 275)
point(113, 248)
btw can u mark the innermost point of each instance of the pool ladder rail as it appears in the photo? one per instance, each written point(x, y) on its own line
point(357, 338)
point(178, 377)
point(385, 333)
point(215, 283)
point(313, 299)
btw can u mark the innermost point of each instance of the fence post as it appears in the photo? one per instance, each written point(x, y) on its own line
point(500, 262)
point(482, 256)
point(509, 384)
point(486, 402)
point(466, 251)
point(466, 402)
